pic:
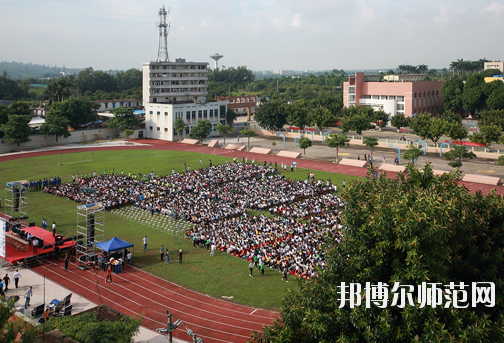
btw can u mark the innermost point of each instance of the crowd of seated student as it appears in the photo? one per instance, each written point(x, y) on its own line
point(216, 199)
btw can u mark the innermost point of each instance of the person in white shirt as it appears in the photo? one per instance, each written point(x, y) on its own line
point(129, 257)
point(16, 278)
point(145, 241)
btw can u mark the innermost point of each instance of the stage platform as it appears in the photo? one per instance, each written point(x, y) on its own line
point(13, 255)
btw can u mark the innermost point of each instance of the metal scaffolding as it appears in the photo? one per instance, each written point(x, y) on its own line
point(90, 229)
point(16, 200)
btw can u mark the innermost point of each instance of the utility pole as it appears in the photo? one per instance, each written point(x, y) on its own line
point(170, 325)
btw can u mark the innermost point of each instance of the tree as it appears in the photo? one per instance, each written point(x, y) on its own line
point(298, 114)
point(55, 125)
point(305, 143)
point(412, 154)
point(457, 131)
point(78, 111)
point(272, 114)
point(16, 330)
point(124, 118)
point(201, 130)
point(86, 328)
point(230, 116)
point(451, 93)
point(473, 96)
point(412, 229)
point(179, 125)
point(248, 133)
point(4, 115)
point(495, 95)
point(487, 135)
point(429, 128)
point(357, 123)
point(399, 120)
point(329, 100)
point(128, 133)
point(58, 90)
point(370, 142)
point(459, 152)
point(223, 130)
point(381, 118)
point(321, 117)
point(492, 117)
point(337, 141)
point(16, 130)
point(19, 108)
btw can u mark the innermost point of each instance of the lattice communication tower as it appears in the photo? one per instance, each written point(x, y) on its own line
point(164, 29)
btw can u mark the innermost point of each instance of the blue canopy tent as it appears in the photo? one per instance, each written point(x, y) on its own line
point(114, 244)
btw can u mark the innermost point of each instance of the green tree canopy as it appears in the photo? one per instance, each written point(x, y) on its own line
point(473, 96)
point(86, 328)
point(337, 141)
point(124, 118)
point(381, 118)
point(357, 123)
point(305, 143)
point(321, 117)
point(297, 114)
point(179, 125)
point(55, 125)
point(77, 111)
point(272, 114)
point(428, 127)
point(488, 134)
point(495, 95)
point(399, 120)
point(458, 153)
point(201, 130)
point(416, 228)
point(223, 130)
point(16, 130)
point(370, 142)
point(16, 330)
point(248, 133)
point(412, 154)
point(451, 93)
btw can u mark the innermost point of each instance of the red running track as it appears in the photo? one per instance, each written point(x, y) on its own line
point(136, 292)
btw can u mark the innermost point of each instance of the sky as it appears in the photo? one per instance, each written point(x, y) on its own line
point(259, 34)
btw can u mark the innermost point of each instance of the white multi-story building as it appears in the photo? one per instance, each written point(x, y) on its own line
point(176, 89)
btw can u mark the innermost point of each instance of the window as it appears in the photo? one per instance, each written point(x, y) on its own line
point(200, 112)
point(187, 130)
point(216, 112)
point(106, 105)
point(211, 113)
point(150, 112)
point(150, 127)
point(166, 129)
point(188, 115)
point(166, 113)
point(158, 113)
point(158, 128)
point(205, 112)
point(193, 114)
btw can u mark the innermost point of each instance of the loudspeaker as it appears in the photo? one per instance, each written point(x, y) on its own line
point(83, 268)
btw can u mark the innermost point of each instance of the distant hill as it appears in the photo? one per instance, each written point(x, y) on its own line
point(20, 70)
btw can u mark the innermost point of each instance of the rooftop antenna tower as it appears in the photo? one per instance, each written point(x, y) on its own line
point(164, 29)
point(216, 57)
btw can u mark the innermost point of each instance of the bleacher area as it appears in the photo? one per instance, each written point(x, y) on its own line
point(156, 221)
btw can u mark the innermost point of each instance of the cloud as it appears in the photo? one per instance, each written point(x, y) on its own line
point(296, 20)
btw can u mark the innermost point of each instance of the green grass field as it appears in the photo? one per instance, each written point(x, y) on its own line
point(221, 275)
